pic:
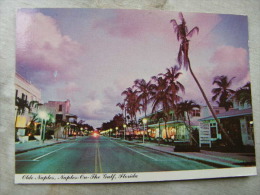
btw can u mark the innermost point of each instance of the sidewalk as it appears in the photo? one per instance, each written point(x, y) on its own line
point(35, 144)
point(218, 159)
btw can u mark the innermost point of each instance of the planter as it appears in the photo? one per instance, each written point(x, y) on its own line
point(185, 147)
point(23, 138)
point(37, 137)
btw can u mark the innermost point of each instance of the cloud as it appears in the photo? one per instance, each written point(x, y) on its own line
point(232, 62)
point(40, 46)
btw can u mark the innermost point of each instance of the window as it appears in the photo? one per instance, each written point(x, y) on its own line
point(60, 108)
point(16, 93)
point(217, 111)
point(213, 130)
point(196, 113)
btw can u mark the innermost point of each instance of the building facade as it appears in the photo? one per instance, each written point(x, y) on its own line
point(26, 94)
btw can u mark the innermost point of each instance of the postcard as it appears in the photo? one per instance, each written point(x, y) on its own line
point(115, 96)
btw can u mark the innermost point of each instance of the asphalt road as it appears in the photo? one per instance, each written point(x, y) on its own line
point(100, 155)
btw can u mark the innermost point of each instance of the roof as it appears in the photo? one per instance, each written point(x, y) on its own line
point(230, 113)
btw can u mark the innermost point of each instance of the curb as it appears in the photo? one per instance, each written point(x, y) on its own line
point(38, 147)
point(208, 162)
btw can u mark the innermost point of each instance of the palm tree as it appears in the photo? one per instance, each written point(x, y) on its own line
point(157, 117)
point(174, 86)
point(161, 98)
point(183, 59)
point(243, 94)
point(132, 105)
point(222, 92)
point(122, 107)
point(187, 107)
point(33, 104)
point(143, 92)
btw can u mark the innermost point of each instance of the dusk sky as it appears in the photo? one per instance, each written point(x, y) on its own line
point(90, 56)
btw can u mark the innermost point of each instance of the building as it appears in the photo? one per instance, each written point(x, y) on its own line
point(237, 122)
point(65, 122)
point(26, 94)
point(175, 128)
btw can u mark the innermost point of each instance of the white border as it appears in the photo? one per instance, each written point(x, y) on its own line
point(132, 177)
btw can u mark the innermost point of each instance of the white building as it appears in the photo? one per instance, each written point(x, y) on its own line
point(26, 91)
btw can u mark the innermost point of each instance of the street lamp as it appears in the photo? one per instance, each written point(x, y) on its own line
point(116, 131)
point(124, 130)
point(144, 122)
point(44, 117)
point(110, 132)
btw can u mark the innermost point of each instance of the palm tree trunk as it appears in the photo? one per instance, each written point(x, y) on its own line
point(166, 130)
point(210, 107)
point(190, 130)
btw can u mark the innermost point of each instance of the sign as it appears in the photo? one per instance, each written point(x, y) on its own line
point(204, 135)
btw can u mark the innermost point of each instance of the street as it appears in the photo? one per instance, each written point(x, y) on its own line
point(100, 155)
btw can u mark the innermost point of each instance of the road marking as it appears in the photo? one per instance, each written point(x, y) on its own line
point(98, 166)
point(136, 151)
point(26, 160)
point(51, 152)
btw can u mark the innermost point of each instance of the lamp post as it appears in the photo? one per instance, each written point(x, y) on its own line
point(116, 131)
point(110, 132)
point(124, 130)
point(44, 117)
point(144, 122)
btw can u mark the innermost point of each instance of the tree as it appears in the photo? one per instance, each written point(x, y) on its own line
point(222, 92)
point(143, 92)
point(182, 33)
point(184, 109)
point(33, 104)
point(161, 98)
point(243, 94)
point(122, 107)
point(22, 105)
point(157, 117)
point(132, 104)
point(171, 76)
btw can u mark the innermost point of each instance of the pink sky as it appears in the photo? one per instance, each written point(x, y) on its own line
point(91, 56)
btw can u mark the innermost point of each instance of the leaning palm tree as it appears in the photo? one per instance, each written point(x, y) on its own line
point(223, 91)
point(183, 34)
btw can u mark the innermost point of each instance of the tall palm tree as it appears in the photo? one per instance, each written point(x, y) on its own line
point(184, 109)
point(243, 94)
point(183, 34)
point(222, 92)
